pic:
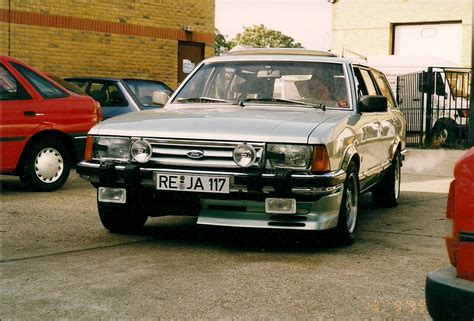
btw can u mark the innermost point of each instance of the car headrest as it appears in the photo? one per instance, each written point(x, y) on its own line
point(116, 97)
point(99, 95)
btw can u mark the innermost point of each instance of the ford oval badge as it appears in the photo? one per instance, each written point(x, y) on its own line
point(195, 154)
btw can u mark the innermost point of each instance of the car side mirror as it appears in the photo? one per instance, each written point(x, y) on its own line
point(372, 104)
point(160, 98)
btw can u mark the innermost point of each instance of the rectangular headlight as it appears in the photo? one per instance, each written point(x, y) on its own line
point(289, 156)
point(111, 148)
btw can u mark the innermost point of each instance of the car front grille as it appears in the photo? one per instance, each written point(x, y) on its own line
point(215, 153)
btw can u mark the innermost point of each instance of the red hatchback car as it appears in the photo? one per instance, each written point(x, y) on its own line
point(43, 126)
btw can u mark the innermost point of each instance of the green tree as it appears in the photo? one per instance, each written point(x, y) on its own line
point(262, 37)
point(221, 44)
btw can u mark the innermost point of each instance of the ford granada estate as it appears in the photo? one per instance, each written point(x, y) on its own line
point(258, 138)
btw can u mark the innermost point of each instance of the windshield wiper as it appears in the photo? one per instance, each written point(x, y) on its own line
point(202, 100)
point(282, 100)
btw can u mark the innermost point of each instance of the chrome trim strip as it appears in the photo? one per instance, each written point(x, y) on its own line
point(202, 143)
point(184, 150)
point(375, 170)
point(314, 191)
point(89, 165)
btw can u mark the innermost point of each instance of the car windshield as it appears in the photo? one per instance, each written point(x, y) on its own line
point(302, 84)
point(143, 90)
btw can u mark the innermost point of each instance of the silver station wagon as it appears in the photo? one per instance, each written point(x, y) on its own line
point(262, 138)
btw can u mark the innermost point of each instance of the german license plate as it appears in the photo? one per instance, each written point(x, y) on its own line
point(192, 183)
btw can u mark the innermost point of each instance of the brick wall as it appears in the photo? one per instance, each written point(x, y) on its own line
point(365, 25)
point(134, 38)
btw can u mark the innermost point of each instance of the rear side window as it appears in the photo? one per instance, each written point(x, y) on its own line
point(45, 88)
point(384, 88)
point(10, 88)
point(80, 84)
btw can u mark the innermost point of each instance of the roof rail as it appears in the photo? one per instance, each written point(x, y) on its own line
point(279, 51)
point(352, 53)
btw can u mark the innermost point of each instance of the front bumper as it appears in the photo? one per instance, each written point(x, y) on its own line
point(449, 297)
point(318, 196)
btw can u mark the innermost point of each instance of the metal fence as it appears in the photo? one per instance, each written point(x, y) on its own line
point(436, 106)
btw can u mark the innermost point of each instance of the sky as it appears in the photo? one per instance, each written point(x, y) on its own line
point(306, 21)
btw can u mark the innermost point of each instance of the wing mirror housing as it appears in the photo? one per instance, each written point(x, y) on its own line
point(160, 98)
point(372, 104)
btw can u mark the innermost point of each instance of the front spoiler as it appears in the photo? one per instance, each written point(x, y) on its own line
point(320, 215)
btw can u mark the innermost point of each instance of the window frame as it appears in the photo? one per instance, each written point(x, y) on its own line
point(391, 100)
point(21, 68)
point(26, 94)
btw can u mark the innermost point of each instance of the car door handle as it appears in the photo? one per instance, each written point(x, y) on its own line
point(30, 113)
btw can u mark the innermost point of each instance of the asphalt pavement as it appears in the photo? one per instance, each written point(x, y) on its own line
point(58, 262)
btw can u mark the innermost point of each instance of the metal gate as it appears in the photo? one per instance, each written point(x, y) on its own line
point(436, 106)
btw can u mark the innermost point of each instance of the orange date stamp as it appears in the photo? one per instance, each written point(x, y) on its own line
point(411, 307)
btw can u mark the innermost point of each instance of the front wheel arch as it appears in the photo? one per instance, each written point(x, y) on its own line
point(350, 155)
point(65, 139)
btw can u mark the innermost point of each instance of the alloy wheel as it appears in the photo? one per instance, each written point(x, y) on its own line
point(351, 203)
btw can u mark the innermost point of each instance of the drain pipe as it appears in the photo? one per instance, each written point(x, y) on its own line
point(9, 26)
point(470, 129)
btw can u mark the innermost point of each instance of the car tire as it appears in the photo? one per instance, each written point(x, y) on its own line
point(443, 133)
point(45, 166)
point(121, 218)
point(345, 232)
point(387, 191)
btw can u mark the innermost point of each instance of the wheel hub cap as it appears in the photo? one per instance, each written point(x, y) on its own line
point(49, 165)
point(444, 135)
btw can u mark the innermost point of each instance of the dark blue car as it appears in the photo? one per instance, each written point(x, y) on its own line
point(120, 96)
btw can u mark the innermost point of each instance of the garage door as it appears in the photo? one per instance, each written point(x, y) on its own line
point(442, 40)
